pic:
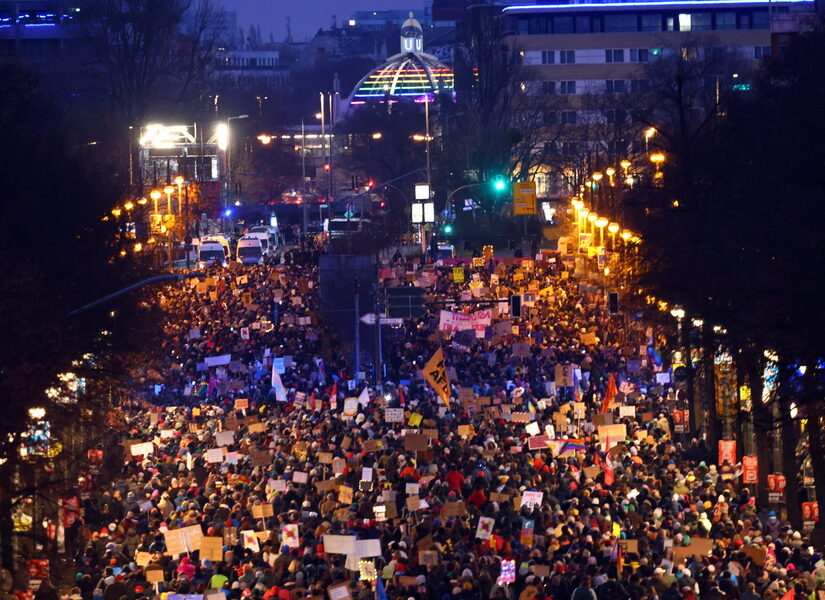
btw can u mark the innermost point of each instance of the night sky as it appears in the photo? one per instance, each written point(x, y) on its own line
point(307, 16)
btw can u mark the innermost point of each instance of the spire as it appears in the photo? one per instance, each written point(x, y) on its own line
point(412, 36)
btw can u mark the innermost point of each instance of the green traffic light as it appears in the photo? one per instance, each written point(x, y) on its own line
point(447, 229)
point(499, 184)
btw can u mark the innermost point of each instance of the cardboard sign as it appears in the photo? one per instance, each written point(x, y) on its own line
point(455, 509)
point(257, 428)
point(416, 441)
point(212, 548)
point(339, 592)
point(154, 575)
point(372, 445)
point(425, 543)
point(394, 415)
point(428, 558)
point(183, 540)
point(261, 511)
point(531, 499)
point(435, 372)
point(629, 546)
point(260, 458)
point(339, 544)
point(345, 494)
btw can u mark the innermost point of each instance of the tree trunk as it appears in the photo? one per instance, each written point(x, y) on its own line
point(790, 464)
point(6, 534)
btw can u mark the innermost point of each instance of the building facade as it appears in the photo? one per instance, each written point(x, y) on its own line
point(588, 54)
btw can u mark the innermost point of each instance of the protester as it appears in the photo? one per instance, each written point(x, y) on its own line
point(259, 467)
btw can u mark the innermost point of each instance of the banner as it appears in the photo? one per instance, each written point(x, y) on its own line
point(750, 469)
point(435, 372)
point(681, 421)
point(454, 322)
point(727, 452)
point(776, 488)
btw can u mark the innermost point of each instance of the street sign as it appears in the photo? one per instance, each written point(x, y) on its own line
point(524, 198)
point(368, 319)
point(405, 302)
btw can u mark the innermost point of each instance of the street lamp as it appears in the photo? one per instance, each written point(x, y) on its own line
point(601, 223)
point(625, 235)
point(169, 190)
point(657, 159)
point(613, 229)
point(649, 133)
point(155, 196)
point(610, 171)
point(377, 135)
point(592, 218)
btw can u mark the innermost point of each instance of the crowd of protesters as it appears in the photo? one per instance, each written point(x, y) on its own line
point(313, 484)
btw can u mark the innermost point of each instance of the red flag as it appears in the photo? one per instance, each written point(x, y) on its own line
point(789, 595)
point(610, 393)
point(609, 475)
point(401, 400)
point(312, 401)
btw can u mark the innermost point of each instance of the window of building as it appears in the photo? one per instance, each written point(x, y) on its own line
point(760, 19)
point(614, 86)
point(760, 52)
point(567, 57)
point(639, 55)
point(567, 87)
point(614, 56)
point(548, 57)
point(670, 23)
point(684, 21)
point(651, 22)
point(562, 24)
point(744, 20)
point(701, 22)
point(548, 87)
point(725, 20)
point(582, 24)
point(639, 86)
point(596, 25)
point(568, 117)
point(537, 25)
point(620, 23)
point(615, 117)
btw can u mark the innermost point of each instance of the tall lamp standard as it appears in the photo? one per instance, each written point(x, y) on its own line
point(224, 139)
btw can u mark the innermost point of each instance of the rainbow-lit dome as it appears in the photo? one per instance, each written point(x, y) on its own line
point(410, 73)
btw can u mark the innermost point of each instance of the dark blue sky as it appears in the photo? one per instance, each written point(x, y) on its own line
point(307, 15)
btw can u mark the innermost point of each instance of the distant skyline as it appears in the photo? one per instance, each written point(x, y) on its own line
point(306, 17)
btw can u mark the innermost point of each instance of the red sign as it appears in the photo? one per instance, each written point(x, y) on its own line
point(681, 421)
point(810, 511)
point(750, 469)
point(727, 452)
point(776, 488)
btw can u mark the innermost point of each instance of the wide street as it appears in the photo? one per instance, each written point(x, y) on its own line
point(449, 301)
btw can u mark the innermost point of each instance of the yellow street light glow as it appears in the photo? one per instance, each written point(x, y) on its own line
point(601, 222)
point(377, 135)
point(318, 115)
point(116, 212)
point(597, 176)
point(630, 181)
point(264, 139)
point(625, 164)
point(129, 205)
point(169, 189)
point(592, 217)
point(650, 132)
point(155, 194)
point(613, 228)
point(222, 135)
point(583, 212)
point(636, 239)
point(138, 247)
point(142, 201)
point(625, 235)
point(37, 412)
point(610, 171)
point(697, 322)
point(607, 270)
point(677, 312)
point(657, 158)
point(179, 180)
point(123, 252)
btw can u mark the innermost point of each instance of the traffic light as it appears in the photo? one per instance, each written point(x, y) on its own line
point(499, 184)
point(515, 306)
point(326, 167)
point(447, 228)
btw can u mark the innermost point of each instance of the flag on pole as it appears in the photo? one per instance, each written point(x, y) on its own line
point(278, 385)
point(401, 400)
point(610, 393)
point(380, 592)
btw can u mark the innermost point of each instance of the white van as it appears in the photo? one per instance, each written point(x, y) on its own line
point(249, 251)
point(211, 253)
point(218, 238)
point(269, 239)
